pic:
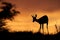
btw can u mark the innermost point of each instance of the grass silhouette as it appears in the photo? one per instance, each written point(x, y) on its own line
point(27, 36)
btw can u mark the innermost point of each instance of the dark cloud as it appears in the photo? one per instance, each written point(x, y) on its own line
point(43, 5)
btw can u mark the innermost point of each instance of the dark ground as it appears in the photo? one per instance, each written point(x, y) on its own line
point(5, 35)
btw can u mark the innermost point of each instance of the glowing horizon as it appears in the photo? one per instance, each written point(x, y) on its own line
point(23, 22)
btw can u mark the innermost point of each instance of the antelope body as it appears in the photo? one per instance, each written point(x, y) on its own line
point(43, 20)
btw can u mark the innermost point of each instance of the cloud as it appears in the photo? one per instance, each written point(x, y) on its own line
point(43, 5)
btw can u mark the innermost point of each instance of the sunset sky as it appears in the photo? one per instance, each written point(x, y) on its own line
point(23, 21)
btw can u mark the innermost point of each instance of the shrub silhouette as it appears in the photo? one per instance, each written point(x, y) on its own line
point(6, 13)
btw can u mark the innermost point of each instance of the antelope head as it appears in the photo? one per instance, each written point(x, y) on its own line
point(34, 17)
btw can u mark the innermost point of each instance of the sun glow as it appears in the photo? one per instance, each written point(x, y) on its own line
point(24, 23)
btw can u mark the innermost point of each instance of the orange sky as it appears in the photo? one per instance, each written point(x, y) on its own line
point(23, 22)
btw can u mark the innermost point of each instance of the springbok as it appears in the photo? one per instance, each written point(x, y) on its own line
point(43, 20)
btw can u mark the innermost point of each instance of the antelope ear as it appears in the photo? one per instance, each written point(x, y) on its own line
point(35, 15)
point(31, 15)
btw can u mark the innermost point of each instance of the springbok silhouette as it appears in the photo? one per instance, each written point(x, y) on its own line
point(43, 20)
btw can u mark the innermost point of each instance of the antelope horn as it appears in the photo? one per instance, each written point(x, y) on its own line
point(35, 15)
